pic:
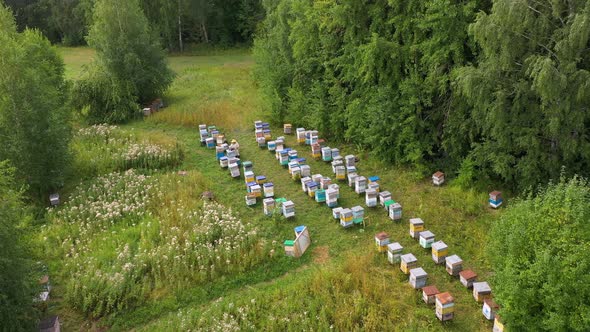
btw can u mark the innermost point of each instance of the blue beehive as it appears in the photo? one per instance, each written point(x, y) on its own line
point(320, 195)
point(495, 199)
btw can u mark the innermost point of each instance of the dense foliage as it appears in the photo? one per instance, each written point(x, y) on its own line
point(217, 21)
point(16, 282)
point(34, 117)
point(543, 273)
point(503, 95)
point(130, 67)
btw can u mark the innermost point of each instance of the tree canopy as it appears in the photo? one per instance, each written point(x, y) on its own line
point(130, 67)
point(34, 113)
point(539, 252)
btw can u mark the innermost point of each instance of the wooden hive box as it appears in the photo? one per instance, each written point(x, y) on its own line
point(394, 252)
point(223, 162)
point(288, 209)
point(331, 197)
point(426, 239)
point(351, 178)
point(287, 127)
point(418, 278)
point(320, 196)
point(311, 188)
point(481, 291)
point(445, 306)
point(256, 190)
point(296, 173)
point(371, 197)
point(498, 325)
point(346, 218)
point(269, 206)
point(381, 241)
point(300, 135)
point(305, 170)
point(260, 179)
point(358, 214)
point(335, 187)
point(327, 154)
point(304, 182)
point(416, 226)
point(271, 145)
point(383, 197)
point(439, 252)
point(249, 177)
point(429, 294)
point(489, 309)
point(454, 265)
point(49, 324)
point(340, 173)
point(292, 154)
point(336, 212)
point(269, 189)
point(350, 160)
point(247, 166)
point(234, 170)
point(210, 142)
point(467, 277)
point(316, 178)
point(438, 178)
point(335, 153)
point(250, 199)
point(325, 182)
point(360, 184)
point(496, 199)
point(54, 199)
point(408, 262)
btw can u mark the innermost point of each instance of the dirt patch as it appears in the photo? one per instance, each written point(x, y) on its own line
point(321, 254)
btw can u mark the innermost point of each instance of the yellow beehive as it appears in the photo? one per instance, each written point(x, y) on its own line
point(408, 262)
point(416, 226)
point(498, 325)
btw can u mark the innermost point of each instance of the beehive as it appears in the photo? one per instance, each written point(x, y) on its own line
point(350, 160)
point(316, 178)
point(467, 278)
point(416, 226)
point(394, 252)
point(327, 154)
point(304, 182)
point(381, 241)
point(395, 211)
point(311, 188)
point(249, 177)
point(454, 265)
point(202, 127)
point(220, 139)
point(292, 154)
point(373, 185)
point(418, 278)
point(231, 153)
point(203, 135)
point(320, 195)
point(331, 197)
point(267, 135)
point(219, 152)
point(287, 128)
point(336, 212)
point(250, 199)
point(383, 197)
point(335, 164)
point(335, 153)
point(280, 144)
point(247, 166)
point(325, 182)
point(249, 186)
point(439, 252)
point(351, 177)
point(445, 306)
point(351, 169)
point(260, 179)
point(223, 162)
point(269, 206)
point(300, 135)
point(261, 141)
point(54, 199)
point(496, 199)
point(288, 209)
point(340, 172)
point(481, 291)
point(371, 198)
point(284, 157)
point(358, 214)
point(426, 239)
point(498, 325)
point(305, 170)
point(258, 133)
point(296, 173)
point(335, 187)
point(271, 145)
point(408, 262)
point(489, 309)
point(256, 190)
point(289, 248)
point(210, 142)
point(360, 184)
point(234, 170)
point(258, 124)
point(374, 179)
point(292, 164)
point(269, 189)
point(429, 294)
point(438, 178)
point(346, 218)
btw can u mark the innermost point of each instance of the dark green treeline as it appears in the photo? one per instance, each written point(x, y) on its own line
point(492, 89)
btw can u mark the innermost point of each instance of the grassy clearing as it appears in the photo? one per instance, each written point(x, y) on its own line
point(341, 279)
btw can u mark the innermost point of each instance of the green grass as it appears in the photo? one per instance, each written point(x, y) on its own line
point(218, 89)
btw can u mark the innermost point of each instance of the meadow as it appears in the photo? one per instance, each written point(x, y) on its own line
point(135, 248)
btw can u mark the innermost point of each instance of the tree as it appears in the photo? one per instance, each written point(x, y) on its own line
point(130, 67)
point(539, 252)
point(530, 90)
point(16, 278)
point(34, 116)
